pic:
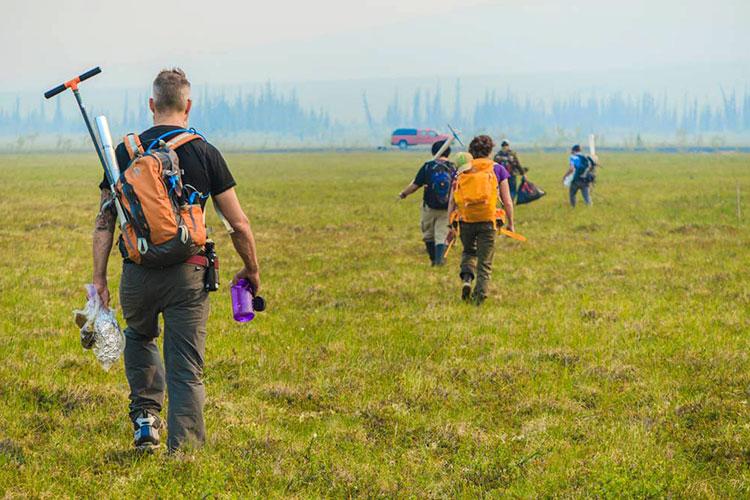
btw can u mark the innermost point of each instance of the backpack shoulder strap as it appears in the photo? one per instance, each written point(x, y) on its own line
point(442, 164)
point(133, 145)
point(181, 139)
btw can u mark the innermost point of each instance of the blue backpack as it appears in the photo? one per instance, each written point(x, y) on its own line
point(439, 181)
point(585, 170)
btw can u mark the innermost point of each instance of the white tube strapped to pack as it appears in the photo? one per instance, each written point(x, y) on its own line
point(592, 147)
point(113, 168)
point(105, 139)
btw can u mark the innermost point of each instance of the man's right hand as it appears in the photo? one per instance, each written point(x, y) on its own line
point(252, 277)
point(102, 290)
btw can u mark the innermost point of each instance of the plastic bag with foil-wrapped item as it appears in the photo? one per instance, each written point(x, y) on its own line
point(99, 330)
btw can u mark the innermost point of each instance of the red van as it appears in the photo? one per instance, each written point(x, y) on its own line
point(405, 137)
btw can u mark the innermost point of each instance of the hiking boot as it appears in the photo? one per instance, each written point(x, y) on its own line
point(146, 428)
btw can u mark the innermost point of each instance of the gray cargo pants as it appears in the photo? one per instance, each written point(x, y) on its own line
point(478, 239)
point(177, 294)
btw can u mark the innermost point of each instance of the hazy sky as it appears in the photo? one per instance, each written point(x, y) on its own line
point(43, 42)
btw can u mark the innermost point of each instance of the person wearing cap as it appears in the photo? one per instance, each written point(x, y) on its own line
point(509, 160)
point(437, 178)
point(578, 166)
point(463, 161)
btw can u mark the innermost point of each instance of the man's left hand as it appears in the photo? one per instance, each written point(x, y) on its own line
point(252, 277)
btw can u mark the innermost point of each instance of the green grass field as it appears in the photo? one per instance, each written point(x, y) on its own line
point(610, 360)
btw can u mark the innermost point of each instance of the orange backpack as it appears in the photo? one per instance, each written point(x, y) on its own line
point(475, 193)
point(164, 226)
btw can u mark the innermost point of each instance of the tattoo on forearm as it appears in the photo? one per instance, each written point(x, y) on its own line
point(105, 219)
point(105, 222)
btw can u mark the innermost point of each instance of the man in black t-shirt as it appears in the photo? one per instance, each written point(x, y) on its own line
point(437, 178)
point(176, 292)
point(204, 167)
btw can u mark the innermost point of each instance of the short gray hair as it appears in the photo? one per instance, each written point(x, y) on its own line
point(171, 90)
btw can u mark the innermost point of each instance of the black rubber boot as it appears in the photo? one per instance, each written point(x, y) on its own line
point(430, 247)
point(439, 254)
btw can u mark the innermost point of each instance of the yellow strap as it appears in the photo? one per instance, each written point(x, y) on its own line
point(510, 234)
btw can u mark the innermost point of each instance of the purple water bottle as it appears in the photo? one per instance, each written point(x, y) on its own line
point(244, 304)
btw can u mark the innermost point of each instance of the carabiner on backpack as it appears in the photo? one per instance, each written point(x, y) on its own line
point(142, 246)
point(184, 234)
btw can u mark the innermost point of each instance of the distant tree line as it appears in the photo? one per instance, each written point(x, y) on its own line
point(266, 111)
point(530, 118)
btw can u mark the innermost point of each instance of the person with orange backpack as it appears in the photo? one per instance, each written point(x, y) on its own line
point(167, 174)
point(475, 200)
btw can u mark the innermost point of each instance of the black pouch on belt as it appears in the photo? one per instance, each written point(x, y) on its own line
point(211, 278)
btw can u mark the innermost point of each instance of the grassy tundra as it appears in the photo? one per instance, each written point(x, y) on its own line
point(610, 360)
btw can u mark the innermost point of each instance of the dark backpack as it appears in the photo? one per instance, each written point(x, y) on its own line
point(528, 192)
point(509, 161)
point(588, 176)
point(438, 187)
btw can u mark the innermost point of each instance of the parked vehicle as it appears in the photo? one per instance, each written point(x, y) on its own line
point(405, 137)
